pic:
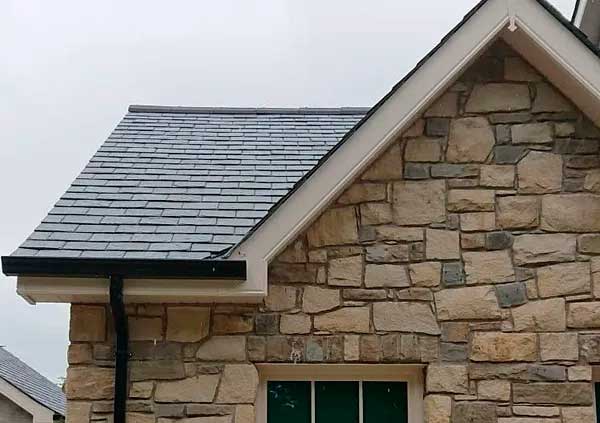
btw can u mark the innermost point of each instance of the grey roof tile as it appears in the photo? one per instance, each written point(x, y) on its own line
point(31, 383)
point(186, 182)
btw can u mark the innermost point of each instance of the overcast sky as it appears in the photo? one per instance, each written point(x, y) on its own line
point(69, 69)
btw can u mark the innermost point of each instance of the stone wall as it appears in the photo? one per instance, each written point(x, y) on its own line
point(472, 245)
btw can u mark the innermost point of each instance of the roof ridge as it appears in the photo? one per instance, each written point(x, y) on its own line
point(145, 108)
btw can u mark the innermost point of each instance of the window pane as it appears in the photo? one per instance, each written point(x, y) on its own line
point(336, 402)
point(597, 389)
point(385, 402)
point(288, 402)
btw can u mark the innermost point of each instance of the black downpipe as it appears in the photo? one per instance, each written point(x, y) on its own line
point(122, 353)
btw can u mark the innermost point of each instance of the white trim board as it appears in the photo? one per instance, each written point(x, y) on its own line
point(39, 413)
point(568, 63)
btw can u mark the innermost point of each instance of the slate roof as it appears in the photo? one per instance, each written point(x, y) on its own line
point(31, 383)
point(185, 183)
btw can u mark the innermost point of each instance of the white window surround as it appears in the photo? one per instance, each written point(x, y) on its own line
point(412, 374)
point(40, 413)
point(539, 37)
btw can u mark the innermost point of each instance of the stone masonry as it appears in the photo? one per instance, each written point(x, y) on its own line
point(471, 245)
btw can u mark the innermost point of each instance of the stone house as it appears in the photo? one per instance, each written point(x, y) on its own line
point(26, 396)
point(435, 258)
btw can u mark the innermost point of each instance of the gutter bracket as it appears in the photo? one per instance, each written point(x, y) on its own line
point(121, 351)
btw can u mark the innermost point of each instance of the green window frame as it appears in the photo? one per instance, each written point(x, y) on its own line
point(340, 401)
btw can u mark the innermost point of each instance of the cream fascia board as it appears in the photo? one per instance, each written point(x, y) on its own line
point(40, 413)
point(96, 290)
point(372, 138)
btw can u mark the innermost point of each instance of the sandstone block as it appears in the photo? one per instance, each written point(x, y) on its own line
point(362, 193)
point(571, 213)
point(453, 274)
point(464, 200)
point(580, 373)
point(533, 411)
point(295, 324)
point(544, 248)
point(447, 378)
point(78, 411)
point(483, 221)
point(494, 390)
point(386, 253)
point(334, 227)
point(592, 181)
point(200, 388)
point(547, 99)
point(375, 213)
point(145, 328)
point(445, 106)
point(455, 332)
point(347, 319)
point(437, 409)
point(471, 140)
point(281, 298)
point(553, 393)
point(532, 133)
point(244, 414)
point(499, 97)
point(543, 315)
point(584, 315)
point(564, 279)
point(187, 323)
point(589, 244)
point(345, 271)
point(142, 390)
point(156, 370)
point(471, 303)
point(223, 348)
point(396, 233)
point(416, 203)
point(425, 274)
point(442, 244)
point(87, 324)
point(351, 347)
point(518, 212)
point(503, 347)
point(93, 383)
point(497, 176)
point(405, 317)
point(386, 275)
point(387, 166)
point(559, 346)
point(238, 385)
point(79, 353)
point(579, 415)
point(539, 173)
point(423, 149)
point(488, 267)
point(471, 412)
point(316, 299)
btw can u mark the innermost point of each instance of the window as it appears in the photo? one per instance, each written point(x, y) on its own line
point(323, 402)
point(306, 393)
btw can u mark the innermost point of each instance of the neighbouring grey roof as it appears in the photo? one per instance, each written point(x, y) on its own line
point(31, 383)
point(185, 183)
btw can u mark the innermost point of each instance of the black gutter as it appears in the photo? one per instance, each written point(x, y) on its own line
point(121, 353)
point(234, 270)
